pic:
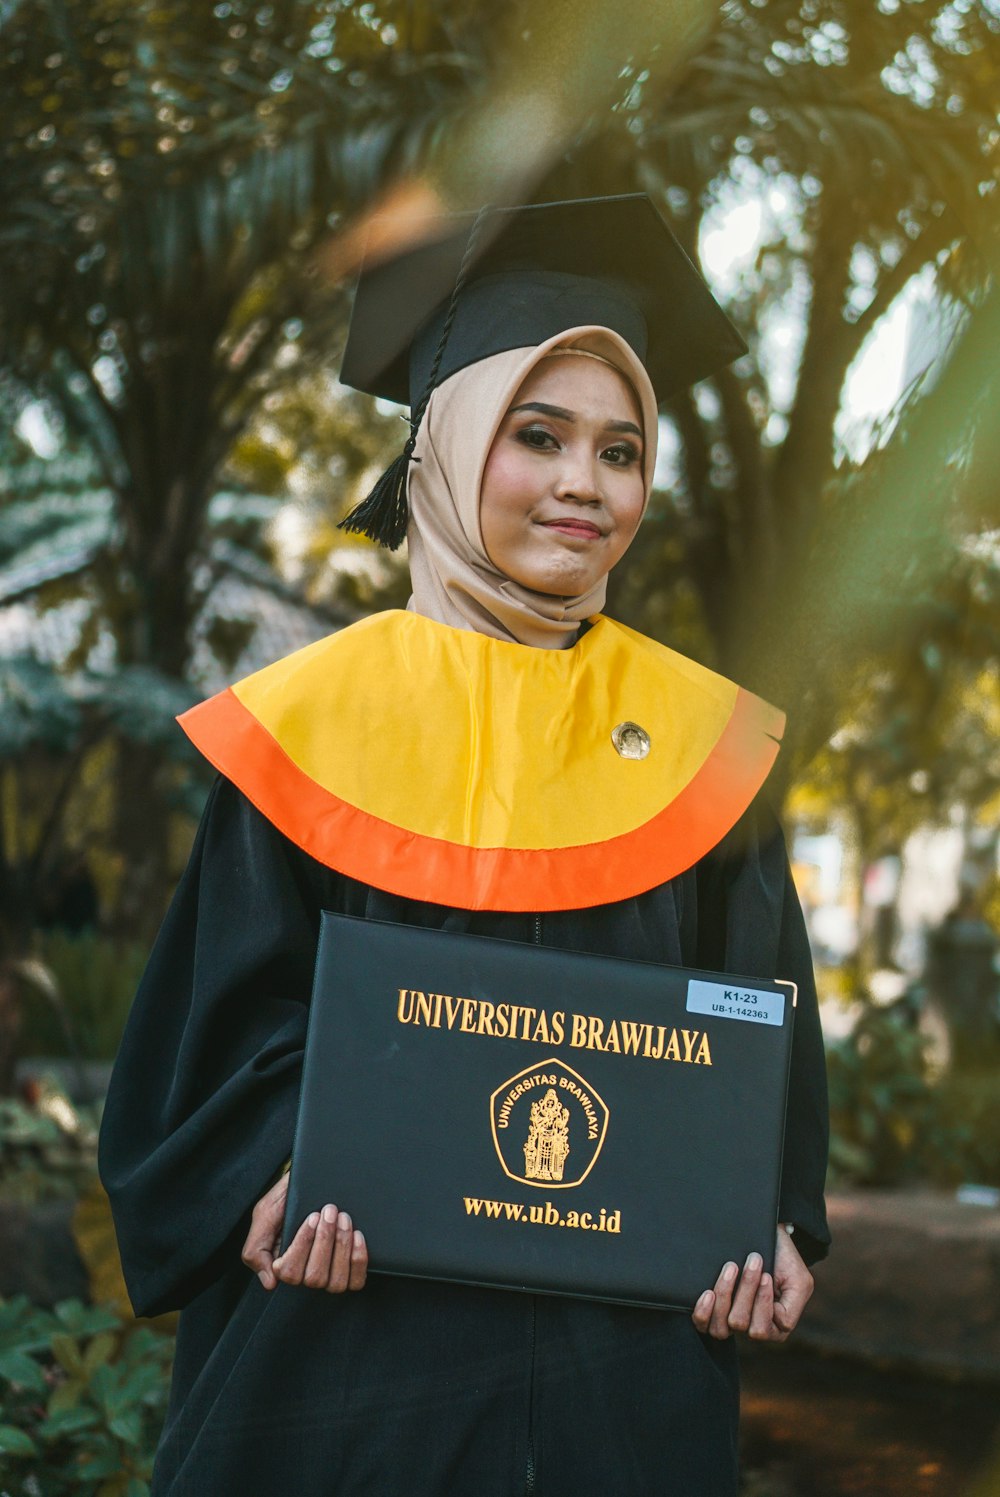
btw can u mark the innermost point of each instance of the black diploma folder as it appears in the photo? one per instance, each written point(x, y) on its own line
point(503, 1114)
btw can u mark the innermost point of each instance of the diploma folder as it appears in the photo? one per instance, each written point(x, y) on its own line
point(516, 1116)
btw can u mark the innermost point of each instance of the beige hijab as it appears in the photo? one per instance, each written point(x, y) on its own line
point(453, 579)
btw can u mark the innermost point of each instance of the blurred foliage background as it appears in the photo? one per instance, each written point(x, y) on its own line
point(185, 191)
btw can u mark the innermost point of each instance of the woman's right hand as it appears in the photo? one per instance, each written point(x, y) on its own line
point(326, 1252)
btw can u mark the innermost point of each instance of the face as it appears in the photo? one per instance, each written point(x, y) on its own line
point(563, 488)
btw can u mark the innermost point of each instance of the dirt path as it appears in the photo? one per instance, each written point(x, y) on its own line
point(818, 1426)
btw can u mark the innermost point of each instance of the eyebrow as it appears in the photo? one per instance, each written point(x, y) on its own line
point(563, 415)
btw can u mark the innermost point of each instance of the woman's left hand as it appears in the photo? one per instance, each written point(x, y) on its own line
point(768, 1309)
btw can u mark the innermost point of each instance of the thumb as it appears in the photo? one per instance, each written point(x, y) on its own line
point(791, 1301)
point(265, 1226)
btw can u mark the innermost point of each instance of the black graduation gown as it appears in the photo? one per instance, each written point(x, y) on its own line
point(407, 1386)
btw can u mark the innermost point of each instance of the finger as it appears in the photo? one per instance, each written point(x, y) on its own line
point(265, 1228)
point(359, 1262)
point(291, 1265)
point(266, 1217)
point(762, 1326)
point(786, 1320)
point(260, 1260)
point(745, 1298)
point(788, 1314)
point(279, 1190)
point(340, 1269)
point(317, 1270)
point(257, 1252)
point(792, 1296)
point(702, 1312)
point(724, 1286)
point(266, 1272)
point(270, 1209)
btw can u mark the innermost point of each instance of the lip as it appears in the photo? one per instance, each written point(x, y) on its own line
point(578, 529)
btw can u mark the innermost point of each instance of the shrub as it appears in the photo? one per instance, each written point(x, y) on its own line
point(94, 980)
point(888, 1121)
point(83, 1393)
point(48, 1146)
point(970, 1105)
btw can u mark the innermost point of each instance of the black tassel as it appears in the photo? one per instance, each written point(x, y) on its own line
point(383, 515)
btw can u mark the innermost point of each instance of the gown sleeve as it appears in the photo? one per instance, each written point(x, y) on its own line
point(202, 1100)
point(747, 898)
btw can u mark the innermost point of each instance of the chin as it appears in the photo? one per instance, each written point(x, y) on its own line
point(562, 571)
point(563, 585)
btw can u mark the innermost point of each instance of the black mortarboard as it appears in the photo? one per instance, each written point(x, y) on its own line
point(512, 277)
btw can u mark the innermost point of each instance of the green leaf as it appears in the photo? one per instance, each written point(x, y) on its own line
point(26, 1332)
point(100, 1350)
point(145, 1380)
point(66, 1351)
point(14, 1441)
point(127, 1426)
point(144, 1342)
point(101, 1468)
point(137, 1488)
point(103, 1389)
point(67, 1395)
point(68, 1421)
point(87, 1320)
point(18, 1368)
point(112, 1391)
point(103, 1461)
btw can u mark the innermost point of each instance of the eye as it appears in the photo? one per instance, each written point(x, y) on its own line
point(536, 437)
point(621, 455)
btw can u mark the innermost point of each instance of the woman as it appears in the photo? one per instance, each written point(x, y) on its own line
point(532, 464)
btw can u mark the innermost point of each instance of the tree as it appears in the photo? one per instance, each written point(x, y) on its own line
point(168, 171)
point(923, 736)
point(175, 173)
point(875, 123)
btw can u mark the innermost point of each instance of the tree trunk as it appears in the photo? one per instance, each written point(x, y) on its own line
point(142, 838)
point(10, 1028)
point(156, 633)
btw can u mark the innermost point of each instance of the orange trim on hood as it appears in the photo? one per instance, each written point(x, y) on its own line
point(420, 867)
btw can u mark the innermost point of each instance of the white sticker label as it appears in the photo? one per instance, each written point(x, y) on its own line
point(721, 1001)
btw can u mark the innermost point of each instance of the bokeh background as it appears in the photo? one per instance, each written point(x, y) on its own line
point(185, 190)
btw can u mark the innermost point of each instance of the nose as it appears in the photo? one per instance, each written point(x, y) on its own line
point(578, 480)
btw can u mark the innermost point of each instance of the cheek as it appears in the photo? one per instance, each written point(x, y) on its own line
point(627, 507)
point(507, 490)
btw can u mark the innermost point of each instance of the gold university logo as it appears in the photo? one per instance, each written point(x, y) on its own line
point(548, 1126)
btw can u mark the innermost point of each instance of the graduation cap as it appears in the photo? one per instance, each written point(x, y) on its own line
point(511, 278)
